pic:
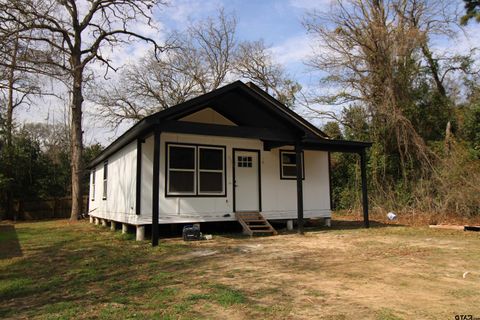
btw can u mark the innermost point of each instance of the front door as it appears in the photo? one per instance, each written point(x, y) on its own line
point(246, 180)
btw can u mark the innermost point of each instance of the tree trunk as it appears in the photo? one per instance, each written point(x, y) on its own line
point(9, 132)
point(77, 139)
point(433, 66)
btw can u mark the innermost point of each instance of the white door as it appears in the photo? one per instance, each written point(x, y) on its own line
point(246, 181)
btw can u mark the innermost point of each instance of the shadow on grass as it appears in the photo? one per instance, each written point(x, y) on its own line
point(73, 272)
point(9, 244)
point(336, 225)
point(352, 224)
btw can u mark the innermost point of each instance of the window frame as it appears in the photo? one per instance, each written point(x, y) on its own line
point(93, 172)
point(196, 193)
point(168, 169)
point(282, 176)
point(105, 180)
point(200, 170)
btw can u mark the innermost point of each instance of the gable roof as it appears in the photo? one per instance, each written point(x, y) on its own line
point(235, 100)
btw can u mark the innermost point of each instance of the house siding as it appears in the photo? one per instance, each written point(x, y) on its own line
point(278, 196)
point(119, 204)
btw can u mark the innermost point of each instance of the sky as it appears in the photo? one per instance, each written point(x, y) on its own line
point(277, 22)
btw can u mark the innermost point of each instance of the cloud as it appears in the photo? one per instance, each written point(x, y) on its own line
point(182, 12)
point(293, 50)
point(321, 5)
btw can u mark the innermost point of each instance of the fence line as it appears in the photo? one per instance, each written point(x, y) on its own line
point(45, 208)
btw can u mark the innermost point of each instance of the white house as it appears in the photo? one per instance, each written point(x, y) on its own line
point(233, 150)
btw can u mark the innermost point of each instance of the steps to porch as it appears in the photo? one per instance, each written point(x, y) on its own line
point(254, 223)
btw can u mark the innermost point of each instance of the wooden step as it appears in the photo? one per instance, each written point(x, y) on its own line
point(254, 222)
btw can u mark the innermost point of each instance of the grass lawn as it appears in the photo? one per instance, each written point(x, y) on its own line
point(57, 270)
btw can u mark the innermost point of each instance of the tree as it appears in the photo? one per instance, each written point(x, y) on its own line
point(377, 56)
point(472, 8)
point(201, 59)
point(197, 62)
point(254, 63)
point(68, 36)
point(17, 86)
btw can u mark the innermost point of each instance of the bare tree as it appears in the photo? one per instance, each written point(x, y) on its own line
point(370, 51)
point(69, 35)
point(198, 62)
point(17, 87)
point(201, 59)
point(255, 63)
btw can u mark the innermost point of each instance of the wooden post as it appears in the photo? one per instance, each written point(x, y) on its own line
point(156, 187)
point(330, 181)
point(300, 222)
point(363, 165)
point(113, 225)
point(124, 228)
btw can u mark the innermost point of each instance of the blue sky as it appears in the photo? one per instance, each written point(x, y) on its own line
point(278, 23)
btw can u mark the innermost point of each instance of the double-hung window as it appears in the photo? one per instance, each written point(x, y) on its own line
point(195, 170)
point(288, 165)
point(105, 179)
point(181, 170)
point(211, 171)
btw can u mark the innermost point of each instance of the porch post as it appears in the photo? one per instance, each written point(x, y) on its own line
point(156, 187)
point(363, 164)
point(298, 154)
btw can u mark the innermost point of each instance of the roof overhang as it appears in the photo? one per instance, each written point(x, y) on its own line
point(258, 115)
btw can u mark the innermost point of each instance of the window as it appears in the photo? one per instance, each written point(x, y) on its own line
point(181, 169)
point(211, 170)
point(288, 165)
point(244, 162)
point(195, 170)
point(105, 178)
point(93, 184)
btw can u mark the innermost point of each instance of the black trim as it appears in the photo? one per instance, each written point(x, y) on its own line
point(313, 129)
point(280, 164)
point(269, 145)
point(93, 182)
point(156, 188)
point(196, 195)
point(259, 176)
point(221, 130)
point(105, 177)
point(335, 145)
point(330, 181)
point(363, 165)
point(300, 220)
point(138, 186)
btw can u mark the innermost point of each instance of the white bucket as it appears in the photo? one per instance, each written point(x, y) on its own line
point(391, 216)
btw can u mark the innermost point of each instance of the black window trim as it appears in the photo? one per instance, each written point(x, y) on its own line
point(282, 177)
point(194, 170)
point(93, 172)
point(105, 180)
point(197, 159)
